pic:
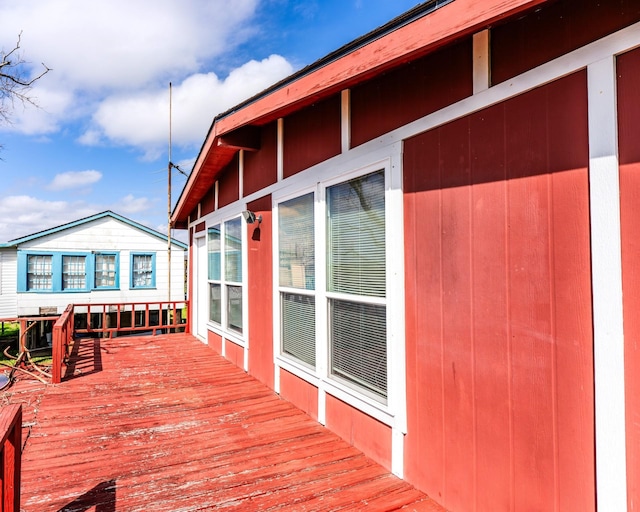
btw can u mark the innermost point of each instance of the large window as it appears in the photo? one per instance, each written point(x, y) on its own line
point(224, 272)
point(297, 278)
point(351, 239)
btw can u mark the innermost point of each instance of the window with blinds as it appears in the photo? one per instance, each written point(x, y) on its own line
point(356, 274)
point(352, 291)
point(297, 278)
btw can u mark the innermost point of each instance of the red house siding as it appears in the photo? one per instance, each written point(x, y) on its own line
point(628, 68)
point(229, 184)
point(410, 92)
point(260, 169)
point(215, 341)
point(299, 392)
point(553, 30)
point(207, 205)
point(234, 353)
point(499, 352)
point(362, 431)
point(260, 286)
point(312, 135)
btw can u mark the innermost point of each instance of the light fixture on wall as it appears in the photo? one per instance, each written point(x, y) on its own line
point(251, 217)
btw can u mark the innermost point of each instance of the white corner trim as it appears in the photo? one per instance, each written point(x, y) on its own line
point(345, 120)
point(280, 150)
point(606, 262)
point(481, 62)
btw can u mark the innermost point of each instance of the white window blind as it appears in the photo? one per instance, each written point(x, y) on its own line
point(297, 270)
point(356, 266)
point(356, 236)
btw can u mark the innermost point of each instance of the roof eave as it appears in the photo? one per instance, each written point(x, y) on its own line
point(406, 42)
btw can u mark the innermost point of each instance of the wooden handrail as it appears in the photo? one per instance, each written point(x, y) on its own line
point(119, 317)
point(11, 456)
point(61, 339)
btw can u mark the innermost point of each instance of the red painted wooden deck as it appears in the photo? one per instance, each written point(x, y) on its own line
point(164, 424)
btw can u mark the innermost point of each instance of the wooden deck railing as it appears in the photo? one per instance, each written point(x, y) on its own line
point(108, 320)
point(61, 340)
point(167, 316)
point(10, 457)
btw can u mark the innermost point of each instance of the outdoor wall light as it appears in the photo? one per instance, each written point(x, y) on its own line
point(251, 217)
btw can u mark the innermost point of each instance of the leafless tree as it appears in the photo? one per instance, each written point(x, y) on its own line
point(15, 82)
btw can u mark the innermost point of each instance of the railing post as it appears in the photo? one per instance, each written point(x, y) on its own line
point(11, 435)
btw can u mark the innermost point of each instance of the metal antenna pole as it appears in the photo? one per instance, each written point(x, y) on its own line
point(169, 207)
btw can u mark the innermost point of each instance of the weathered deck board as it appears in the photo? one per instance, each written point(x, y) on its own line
point(162, 423)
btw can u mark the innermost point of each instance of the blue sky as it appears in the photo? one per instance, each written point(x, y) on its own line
point(99, 140)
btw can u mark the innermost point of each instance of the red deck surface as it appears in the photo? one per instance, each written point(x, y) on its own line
point(164, 424)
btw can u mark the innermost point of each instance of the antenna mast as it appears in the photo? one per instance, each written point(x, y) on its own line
point(169, 165)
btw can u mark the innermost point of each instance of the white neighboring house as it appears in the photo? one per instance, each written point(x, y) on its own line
point(104, 258)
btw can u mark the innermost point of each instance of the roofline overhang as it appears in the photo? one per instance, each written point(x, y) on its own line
point(405, 38)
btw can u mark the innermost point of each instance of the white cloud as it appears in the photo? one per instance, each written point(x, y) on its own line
point(74, 179)
point(113, 61)
point(131, 204)
point(25, 215)
point(142, 120)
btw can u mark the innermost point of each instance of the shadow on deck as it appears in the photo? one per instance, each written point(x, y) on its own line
point(162, 423)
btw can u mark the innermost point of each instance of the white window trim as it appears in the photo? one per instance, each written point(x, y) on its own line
point(393, 412)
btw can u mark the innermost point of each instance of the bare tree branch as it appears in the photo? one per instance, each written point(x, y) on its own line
point(15, 82)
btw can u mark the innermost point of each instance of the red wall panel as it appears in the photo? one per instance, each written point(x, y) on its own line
point(260, 167)
point(259, 250)
point(300, 393)
point(553, 30)
point(410, 92)
point(499, 351)
point(628, 68)
point(207, 203)
point(215, 341)
point(360, 430)
point(229, 184)
point(234, 353)
point(312, 135)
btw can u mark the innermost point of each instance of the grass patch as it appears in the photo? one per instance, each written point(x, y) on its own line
point(9, 330)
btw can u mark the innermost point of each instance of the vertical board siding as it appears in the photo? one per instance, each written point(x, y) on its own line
point(628, 70)
point(260, 286)
point(207, 205)
point(312, 135)
point(499, 330)
point(260, 169)
point(359, 430)
point(229, 184)
point(234, 353)
point(299, 392)
point(214, 340)
point(556, 28)
point(412, 91)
